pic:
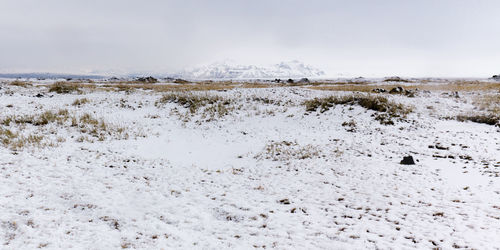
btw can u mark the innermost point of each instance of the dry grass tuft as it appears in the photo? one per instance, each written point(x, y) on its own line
point(454, 86)
point(89, 126)
point(19, 83)
point(375, 103)
point(489, 119)
point(213, 105)
point(488, 103)
point(64, 87)
point(80, 102)
point(285, 151)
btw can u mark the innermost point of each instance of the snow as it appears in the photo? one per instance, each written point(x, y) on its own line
point(230, 70)
point(214, 185)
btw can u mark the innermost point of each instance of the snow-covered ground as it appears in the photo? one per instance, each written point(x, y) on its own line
point(267, 174)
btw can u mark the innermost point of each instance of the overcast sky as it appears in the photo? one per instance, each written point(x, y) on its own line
point(365, 38)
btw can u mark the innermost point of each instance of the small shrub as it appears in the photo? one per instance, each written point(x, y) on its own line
point(79, 102)
point(191, 101)
point(285, 150)
point(350, 125)
point(375, 103)
point(64, 88)
point(89, 126)
point(489, 119)
point(19, 83)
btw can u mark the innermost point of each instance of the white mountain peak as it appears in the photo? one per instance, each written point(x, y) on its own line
point(230, 70)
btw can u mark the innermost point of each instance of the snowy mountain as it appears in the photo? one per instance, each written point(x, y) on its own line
point(225, 70)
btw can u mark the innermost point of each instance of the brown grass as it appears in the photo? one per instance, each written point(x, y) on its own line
point(89, 126)
point(488, 103)
point(386, 109)
point(79, 102)
point(459, 86)
point(23, 84)
point(65, 87)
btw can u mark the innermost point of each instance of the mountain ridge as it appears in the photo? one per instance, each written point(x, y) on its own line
point(225, 70)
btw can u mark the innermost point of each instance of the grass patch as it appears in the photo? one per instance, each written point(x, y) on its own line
point(488, 103)
point(375, 103)
point(23, 84)
point(214, 105)
point(285, 150)
point(90, 127)
point(452, 86)
point(80, 102)
point(64, 87)
point(17, 141)
point(490, 119)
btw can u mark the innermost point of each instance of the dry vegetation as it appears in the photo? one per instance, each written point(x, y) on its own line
point(489, 110)
point(23, 84)
point(210, 106)
point(387, 109)
point(80, 102)
point(14, 128)
point(459, 86)
point(65, 87)
point(285, 151)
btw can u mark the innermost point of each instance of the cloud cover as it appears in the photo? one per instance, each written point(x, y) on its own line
point(366, 38)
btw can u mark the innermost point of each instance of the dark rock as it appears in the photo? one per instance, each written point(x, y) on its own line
point(179, 80)
point(496, 77)
point(290, 81)
point(441, 147)
point(379, 90)
point(285, 202)
point(304, 80)
point(408, 160)
point(277, 80)
point(410, 93)
point(396, 79)
point(148, 79)
point(39, 95)
point(397, 90)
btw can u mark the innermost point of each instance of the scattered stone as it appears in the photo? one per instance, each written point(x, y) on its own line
point(285, 202)
point(438, 156)
point(179, 80)
point(379, 90)
point(441, 147)
point(396, 79)
point(148, 79)
point(303, 80)
point(397, 90)
point(408, 160)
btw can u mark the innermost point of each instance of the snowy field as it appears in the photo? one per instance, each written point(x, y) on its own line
point(244, 168)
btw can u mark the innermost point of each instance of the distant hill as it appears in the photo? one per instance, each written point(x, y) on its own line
point(49, 76)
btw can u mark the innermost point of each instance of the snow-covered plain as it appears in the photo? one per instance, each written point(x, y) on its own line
point(266, 175)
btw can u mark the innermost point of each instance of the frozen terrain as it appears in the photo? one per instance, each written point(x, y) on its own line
point(231, 70)
point(243, 168)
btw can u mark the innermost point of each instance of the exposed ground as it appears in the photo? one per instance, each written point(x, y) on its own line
point(248, 165)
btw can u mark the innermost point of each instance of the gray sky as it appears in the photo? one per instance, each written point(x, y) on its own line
point(365, 38)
